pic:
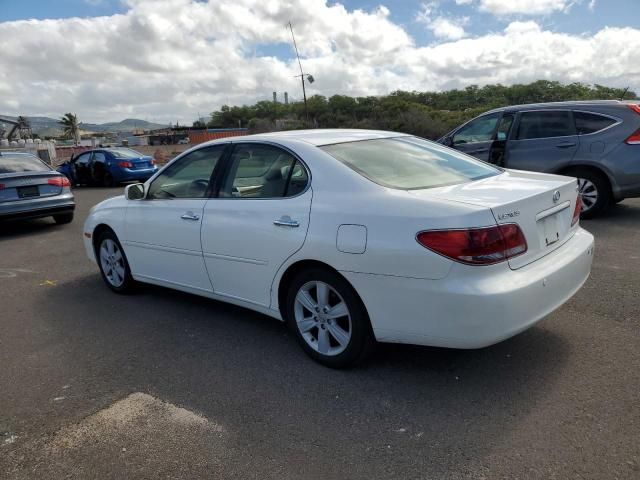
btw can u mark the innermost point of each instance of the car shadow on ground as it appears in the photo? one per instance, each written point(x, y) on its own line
point(246, 372)
point(19, 228)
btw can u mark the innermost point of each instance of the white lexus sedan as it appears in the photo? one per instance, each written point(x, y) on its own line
point(351, 237)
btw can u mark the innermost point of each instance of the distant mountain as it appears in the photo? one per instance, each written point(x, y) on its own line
point(46, 126)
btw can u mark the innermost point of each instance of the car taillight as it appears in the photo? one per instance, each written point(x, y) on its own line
point(476, 246)
point(125, 164)
point(153, 161)
point(1, 186)
point(634, 138)
point(576, 211)
point(59, 182)
point(634, 107)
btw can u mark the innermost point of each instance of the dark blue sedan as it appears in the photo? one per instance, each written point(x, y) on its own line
point(108, 167)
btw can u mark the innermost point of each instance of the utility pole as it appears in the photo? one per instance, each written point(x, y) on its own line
point(304, 93)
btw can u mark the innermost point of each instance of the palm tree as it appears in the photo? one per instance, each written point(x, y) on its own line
point(24, 127)
point(70, 127)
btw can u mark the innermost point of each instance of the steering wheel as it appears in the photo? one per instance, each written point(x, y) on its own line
point(197, 187)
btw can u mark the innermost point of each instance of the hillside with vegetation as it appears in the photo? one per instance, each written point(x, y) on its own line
point(427, 114)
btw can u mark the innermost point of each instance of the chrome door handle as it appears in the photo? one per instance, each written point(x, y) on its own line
point(190, 216)
point(286, 221)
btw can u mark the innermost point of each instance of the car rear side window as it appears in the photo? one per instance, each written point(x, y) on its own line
point(409, 162)
point(545, 124)
point(587, 123)
point(21, 163)
point(263, 171)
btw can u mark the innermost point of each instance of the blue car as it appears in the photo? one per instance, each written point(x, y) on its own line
point(108, 167)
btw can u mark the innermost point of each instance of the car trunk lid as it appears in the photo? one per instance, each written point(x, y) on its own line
point(541, 205)
point(142, 162)
point(25, 185)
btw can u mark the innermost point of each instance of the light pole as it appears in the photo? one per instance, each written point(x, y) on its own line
point(302, 75)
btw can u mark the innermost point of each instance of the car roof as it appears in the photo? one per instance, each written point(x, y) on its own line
point(568, 104)
point(11, 153)
point(321, 136)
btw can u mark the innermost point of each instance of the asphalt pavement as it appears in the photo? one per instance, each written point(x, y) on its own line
point(162, 384)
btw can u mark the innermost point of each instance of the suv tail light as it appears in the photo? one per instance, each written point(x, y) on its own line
point(476, 246)
point(634, 138)
point(125, 164)
point(59, 181)
point(576, 211)
point(634, 107)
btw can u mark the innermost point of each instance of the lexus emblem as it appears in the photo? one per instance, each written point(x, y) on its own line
point(556, 196)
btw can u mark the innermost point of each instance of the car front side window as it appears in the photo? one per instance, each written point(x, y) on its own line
point(478, 130)
point(189, 176)
point(263, 171)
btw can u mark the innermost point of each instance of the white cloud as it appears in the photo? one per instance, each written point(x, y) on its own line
point(167, 60)
point(592, 5)
point(450, 29)
point(442, 27)
point(524, 7)
point(464, 2)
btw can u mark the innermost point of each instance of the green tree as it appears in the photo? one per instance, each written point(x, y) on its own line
point(70, 127)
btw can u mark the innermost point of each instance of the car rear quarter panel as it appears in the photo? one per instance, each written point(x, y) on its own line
point(392, 219)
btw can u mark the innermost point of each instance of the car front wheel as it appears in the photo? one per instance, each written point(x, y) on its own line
point(113, 264)
point(328, 318)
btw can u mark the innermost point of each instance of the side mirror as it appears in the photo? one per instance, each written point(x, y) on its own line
point(447, 141)
point(134, 192)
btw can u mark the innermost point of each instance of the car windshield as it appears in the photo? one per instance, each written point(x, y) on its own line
point(125, 153)
point(21, 163)
point(409, 163)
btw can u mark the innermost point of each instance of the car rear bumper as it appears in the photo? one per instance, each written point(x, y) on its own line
point(474, 306)
point(128, 175)
point(37, 207)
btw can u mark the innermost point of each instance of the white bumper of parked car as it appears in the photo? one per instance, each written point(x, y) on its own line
point(474, 306)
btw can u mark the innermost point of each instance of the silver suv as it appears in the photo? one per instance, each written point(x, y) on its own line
point(596, 141)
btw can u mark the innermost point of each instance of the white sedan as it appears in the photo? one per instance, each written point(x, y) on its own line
point(351, 237)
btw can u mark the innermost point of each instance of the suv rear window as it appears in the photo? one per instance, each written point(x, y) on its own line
point(545, 124)
point(409, 162)
point(587, 123)
point(21, 163)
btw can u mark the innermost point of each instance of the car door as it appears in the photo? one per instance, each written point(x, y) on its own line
point(476, 137)
point(162, 233)
point(258, 220)
point(98, 166)
point(542, 141)
point(81, 168)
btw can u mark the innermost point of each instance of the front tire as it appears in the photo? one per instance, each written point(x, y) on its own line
point(113, 264)
point(328, 318)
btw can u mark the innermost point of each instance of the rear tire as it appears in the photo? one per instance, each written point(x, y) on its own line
point(113, 263)
point(595, 190)
point(328, 318)
point(107, 180)
point(63, 218)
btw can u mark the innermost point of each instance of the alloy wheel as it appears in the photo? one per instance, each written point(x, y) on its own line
point(588, 193)
point(322, 318)
point(112, 262)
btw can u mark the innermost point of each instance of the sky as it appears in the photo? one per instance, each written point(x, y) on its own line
point(175, 60)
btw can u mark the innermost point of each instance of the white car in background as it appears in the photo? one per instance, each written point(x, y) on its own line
point(351, 236)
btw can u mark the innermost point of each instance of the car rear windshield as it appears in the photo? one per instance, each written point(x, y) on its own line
point(125, 153)
point(21, 163)
point(409, 163)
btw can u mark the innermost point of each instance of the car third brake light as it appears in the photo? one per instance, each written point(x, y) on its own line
point(476, 246)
